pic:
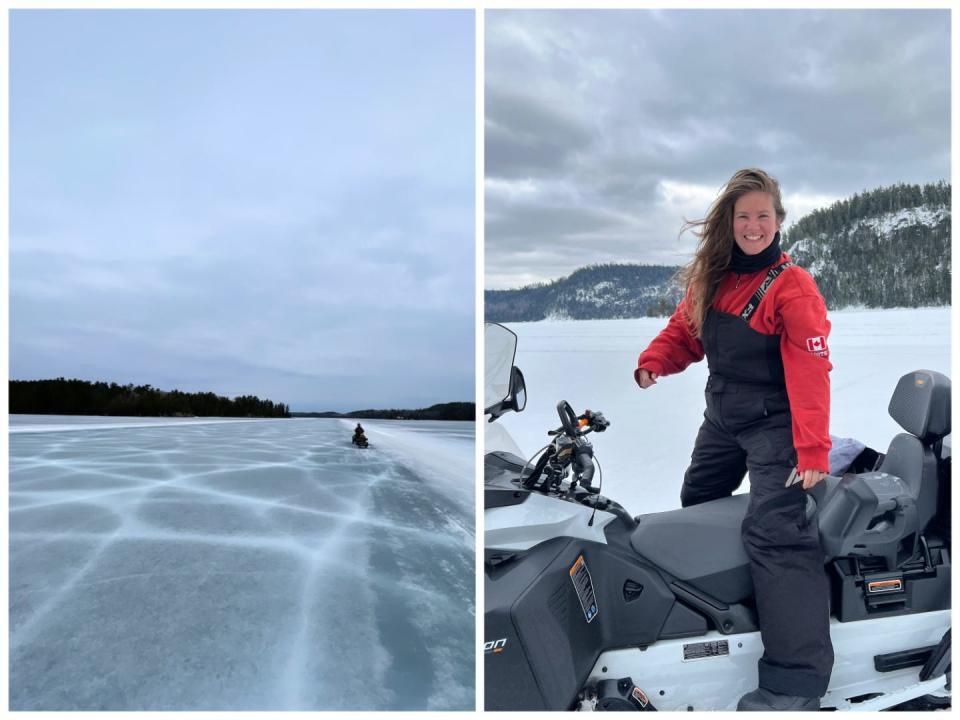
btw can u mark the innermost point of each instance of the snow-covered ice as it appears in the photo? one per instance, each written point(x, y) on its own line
point(645, 451)
point(231, 565)
point(59, 423)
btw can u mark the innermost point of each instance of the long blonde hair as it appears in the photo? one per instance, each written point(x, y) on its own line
point(702, 276)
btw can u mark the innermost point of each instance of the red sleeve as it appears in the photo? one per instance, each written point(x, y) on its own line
point(806, 365)
point(674, 348)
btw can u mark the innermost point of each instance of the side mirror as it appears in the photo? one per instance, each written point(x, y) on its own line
point(518, 390)
point(503, 385)
point(516, 398)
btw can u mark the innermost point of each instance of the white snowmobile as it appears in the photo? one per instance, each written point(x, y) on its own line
point(588, 608)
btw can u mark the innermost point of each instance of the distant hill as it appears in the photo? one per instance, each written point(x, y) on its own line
point(593, 292)
point(441, 411)
point(81, 397)
point(888, 247)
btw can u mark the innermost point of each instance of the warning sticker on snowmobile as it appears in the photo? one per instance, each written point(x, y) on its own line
point(640, 697)
point(700, 651)
point(583, 584)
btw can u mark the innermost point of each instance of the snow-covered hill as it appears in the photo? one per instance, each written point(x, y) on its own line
point(886, 248)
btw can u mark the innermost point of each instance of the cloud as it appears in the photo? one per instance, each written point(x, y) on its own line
point(272, 203)
point(605, 129)
point(525, 136)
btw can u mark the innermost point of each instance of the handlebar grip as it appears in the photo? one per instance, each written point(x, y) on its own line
point(568, 418)
point(584, 469)
point(583, 466)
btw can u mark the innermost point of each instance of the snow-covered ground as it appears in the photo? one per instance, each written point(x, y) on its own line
point(262, 565)
point(59, 423)
point(645, 451)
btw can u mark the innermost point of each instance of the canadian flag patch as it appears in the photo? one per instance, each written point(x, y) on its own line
point(817, 345)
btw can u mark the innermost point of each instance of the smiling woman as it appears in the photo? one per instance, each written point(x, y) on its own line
point(762, 325)
point(755, 222)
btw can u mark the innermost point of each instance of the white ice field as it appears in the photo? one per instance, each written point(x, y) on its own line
point(645, 451)
point(240, 565)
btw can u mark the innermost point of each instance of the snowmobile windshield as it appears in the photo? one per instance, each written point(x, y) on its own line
point(500, 347)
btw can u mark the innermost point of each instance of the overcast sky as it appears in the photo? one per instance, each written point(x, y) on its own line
point(248, 202)
point(605, 129)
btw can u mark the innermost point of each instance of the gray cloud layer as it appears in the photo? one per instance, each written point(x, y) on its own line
point(266, 202)
point(604, 129)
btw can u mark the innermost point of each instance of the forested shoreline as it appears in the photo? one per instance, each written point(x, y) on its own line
point(82, 397)
point(441, 411)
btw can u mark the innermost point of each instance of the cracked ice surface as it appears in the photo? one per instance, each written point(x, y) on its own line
point(261, 565)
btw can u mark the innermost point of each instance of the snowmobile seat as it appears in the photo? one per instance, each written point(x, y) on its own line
point(883, 513)
point(701, 546)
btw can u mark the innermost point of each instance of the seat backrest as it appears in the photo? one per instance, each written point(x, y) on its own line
point(916, 465)
point(921, 405)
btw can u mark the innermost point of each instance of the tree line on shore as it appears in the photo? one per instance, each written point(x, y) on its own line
point(82, 397)
point(441, 411)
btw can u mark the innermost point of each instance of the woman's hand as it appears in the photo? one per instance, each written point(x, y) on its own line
point(811, 478)
point(645, 378)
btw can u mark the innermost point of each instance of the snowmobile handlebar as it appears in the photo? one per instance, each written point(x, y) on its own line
point(573, 425)
point(569, 448)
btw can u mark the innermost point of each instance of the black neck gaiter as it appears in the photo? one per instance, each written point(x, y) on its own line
point(744, 264)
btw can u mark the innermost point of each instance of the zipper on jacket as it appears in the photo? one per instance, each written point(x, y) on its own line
point(739, 277)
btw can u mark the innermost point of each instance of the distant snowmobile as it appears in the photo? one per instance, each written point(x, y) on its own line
point(359, 439)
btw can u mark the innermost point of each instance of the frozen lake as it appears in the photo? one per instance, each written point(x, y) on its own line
point(160, 564)
point(647, 448)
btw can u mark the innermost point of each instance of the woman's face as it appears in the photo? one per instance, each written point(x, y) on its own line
point(755, 222)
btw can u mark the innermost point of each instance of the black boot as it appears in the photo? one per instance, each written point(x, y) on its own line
point(763, 699)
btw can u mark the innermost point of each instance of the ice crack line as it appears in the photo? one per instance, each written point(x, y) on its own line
point(298, 659)
point(19, 636)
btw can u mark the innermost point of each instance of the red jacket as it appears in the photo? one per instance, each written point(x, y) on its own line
point(792, 308)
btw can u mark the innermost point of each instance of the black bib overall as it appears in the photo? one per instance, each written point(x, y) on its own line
point(747, 428)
